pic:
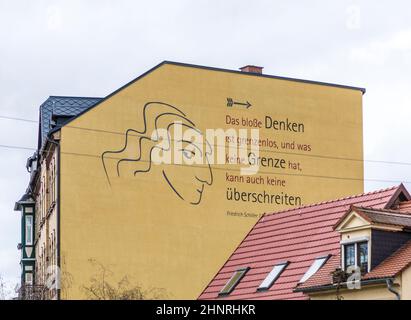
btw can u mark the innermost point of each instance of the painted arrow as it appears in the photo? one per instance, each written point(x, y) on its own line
point(232, 103)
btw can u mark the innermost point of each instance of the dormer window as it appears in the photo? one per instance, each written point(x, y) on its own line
point(355, 254)
point(349, 255)
point(363, 255)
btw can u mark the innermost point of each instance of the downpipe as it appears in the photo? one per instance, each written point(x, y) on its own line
point(391, 289)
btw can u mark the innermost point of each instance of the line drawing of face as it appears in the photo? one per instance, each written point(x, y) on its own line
point(186, 181)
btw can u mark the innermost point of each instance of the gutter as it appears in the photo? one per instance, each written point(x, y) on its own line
point(342, 285)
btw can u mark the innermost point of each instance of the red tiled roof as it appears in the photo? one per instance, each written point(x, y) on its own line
point(393, 265)
point(323, 276)
point(405, 207)
point(298, 236)
point(390, 267)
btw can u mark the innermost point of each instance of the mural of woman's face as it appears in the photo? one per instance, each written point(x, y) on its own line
point(190, 171)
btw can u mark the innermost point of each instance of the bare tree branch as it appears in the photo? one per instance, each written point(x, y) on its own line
point(100, 287)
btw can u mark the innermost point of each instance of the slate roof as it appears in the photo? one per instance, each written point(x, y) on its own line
point(299, 236)
point(61, 106)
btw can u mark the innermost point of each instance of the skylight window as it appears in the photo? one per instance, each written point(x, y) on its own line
point(272, 276)
point(235, 279)
point(317, 264)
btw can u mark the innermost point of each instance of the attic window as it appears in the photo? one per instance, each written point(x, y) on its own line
point(356, 255)
point(234, 280)
point(317, 264)
point(272, 276)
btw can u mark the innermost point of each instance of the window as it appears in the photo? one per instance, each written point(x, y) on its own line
point(28, 278)
point(272, 276)
point(235, 279)
point(29, 230)
point(349, 255)
point(356, 254)
point(317, 264)
point(363, 256)
point(28, 209)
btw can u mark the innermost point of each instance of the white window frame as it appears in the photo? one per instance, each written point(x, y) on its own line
point(29, 231)
point(304, 278)
point(272, 277)
point(355, 241)
point(28, 278)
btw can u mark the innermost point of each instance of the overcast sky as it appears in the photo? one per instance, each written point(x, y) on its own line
point(92, 47)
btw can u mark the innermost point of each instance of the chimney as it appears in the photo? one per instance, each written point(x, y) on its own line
point(252, 69)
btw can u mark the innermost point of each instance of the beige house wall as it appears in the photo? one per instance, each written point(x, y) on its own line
point(46, 220)
point(406, 284)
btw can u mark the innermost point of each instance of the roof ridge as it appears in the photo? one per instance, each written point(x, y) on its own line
point(263, 75)
point(75, 97)
point(331, 201)
point(385, 211)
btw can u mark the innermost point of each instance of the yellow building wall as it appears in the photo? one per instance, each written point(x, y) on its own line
point(139, 227)
point(406, 284)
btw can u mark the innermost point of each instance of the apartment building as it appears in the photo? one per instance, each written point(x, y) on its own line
point(95, 192)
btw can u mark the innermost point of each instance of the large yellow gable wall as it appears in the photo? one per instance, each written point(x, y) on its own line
point(138, 227)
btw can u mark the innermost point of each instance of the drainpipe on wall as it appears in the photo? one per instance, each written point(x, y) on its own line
point(391, 289)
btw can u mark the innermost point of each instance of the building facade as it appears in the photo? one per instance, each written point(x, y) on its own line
point(41, 277)
point(99, 194)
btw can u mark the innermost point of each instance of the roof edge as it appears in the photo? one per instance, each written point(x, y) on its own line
point(116, 91)
point(329, 84)
point(334, 287)
point(312, 205)
point(352, 208)
point(400, 189)
point(363, 90)
point(228, 259)
point(74, 97)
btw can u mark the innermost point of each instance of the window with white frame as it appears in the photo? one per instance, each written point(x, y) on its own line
point(28, 278)
point(315, 266)
point(272, 276)
point(29, 230)
point(355, 254)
